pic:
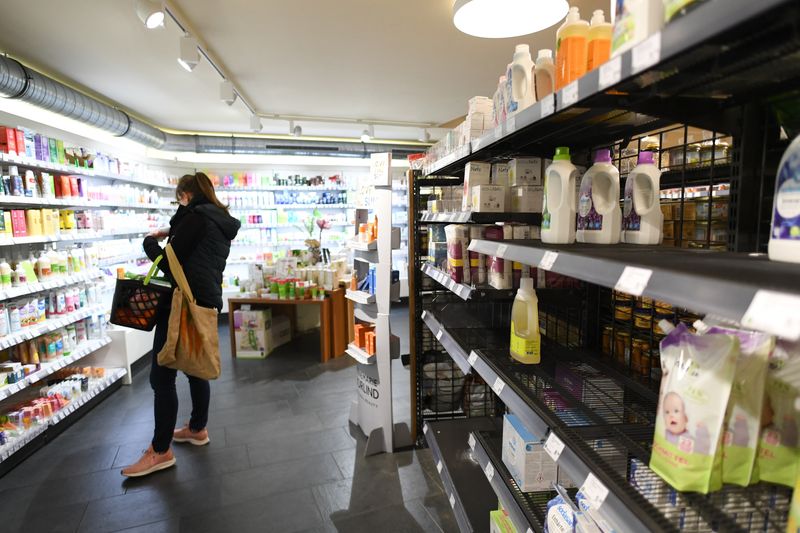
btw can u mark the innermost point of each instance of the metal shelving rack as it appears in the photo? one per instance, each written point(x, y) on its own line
point(726, 68)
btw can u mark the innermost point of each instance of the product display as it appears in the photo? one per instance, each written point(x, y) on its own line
point(599, 214)
point(558, 202)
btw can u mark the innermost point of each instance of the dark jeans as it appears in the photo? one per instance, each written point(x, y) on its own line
point(165, 406)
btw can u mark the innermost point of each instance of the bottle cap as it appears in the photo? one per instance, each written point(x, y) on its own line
point(597, 17)
point(602, 156)
point(562, 154)
point(574, 14)
point(545, 53)
point(522, 49)
point(646, 158)
point(526, 284)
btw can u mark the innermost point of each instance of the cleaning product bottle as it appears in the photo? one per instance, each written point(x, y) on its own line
point(784, 242)
point(19, 274)
point(571, 48)
point(43, 268)
point(523, 90)
point(558, 208)
point(508, 94)
point(497, 100)
point(635, 21)
point(544, 74)
point(5, 274)
point(642, 218)
point(599, 44)
point(599, 214)
point(525, 335)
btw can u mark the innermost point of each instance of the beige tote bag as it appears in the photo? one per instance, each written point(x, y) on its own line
point(192, 338)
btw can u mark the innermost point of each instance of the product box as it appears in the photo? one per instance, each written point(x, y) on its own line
point(524, 456)
point(500, 174)
point(20, 142)
point(475, 173)
point(480, 104)
point(526, 171)
point(500, 522)
point(526, 199)
point(8, 140)
point(488, 198)
point(280, 333)
point(250, 330)
point(18, 223)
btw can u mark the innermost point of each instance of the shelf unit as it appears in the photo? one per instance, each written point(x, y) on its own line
point(721, 68)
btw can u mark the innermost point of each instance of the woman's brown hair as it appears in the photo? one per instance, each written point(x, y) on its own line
point(199, 184)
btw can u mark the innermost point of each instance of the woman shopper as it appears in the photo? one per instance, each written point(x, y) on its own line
point(200, 232)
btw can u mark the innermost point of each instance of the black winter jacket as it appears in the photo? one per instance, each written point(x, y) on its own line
point(201, 235)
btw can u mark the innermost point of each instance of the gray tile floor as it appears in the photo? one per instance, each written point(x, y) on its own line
point(282, 458)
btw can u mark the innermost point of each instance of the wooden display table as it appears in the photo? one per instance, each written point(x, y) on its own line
point(333, 335)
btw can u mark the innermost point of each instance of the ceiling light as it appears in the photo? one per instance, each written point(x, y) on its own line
point(493, 18)
point(255, 123)
point(295, 131)
point(151, 13)
point(426, 136)
point(190, 56)
point(226, 92)
point(368, 134)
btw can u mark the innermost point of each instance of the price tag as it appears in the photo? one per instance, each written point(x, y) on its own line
point(439, 335)
point(646, 54)
point(774, 312)
point(548, 105)
point(489, 472)
point(594, 491)
point(501, 250)
point(473, 357)
point(633, 280)
point(511, 124)
point(548, 260)
point(452, 501)
point(425, 429)
point(610, 72)
point(424, 314)
point(498, 386)
point(439, 467)
point(498, 133)
point(471, 442)
point(553, 446)
point(569, 94)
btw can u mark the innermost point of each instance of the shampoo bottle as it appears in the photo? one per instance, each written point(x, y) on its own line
point(522, 87)
point(525, 335)
point(599, 46)
point(544, 74)
point(558, 209)
point(642, 217)
point(571, 48)
point(784, 242)
point(599, 214)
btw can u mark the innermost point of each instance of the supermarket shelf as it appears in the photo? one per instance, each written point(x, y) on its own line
point(465, 484)
point(744, 288)
point(468, 217)
point(47, 326)
point(80, 237)
point(265, 188)
point(462, 290)
point(688, 72)
point(448, 342)
point(49, 368)
point(78, 203)
point(59, 281)
point(292, 206)
point(287, 225)
point(362, 246)
point(360, 355)
point(360, 297)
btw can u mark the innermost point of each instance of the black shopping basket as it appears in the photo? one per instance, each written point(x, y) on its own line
point(136, 300)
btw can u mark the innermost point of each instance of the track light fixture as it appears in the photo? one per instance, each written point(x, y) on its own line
point(295, 131)
point(189, 54)
point(368, 134)
point(426, 136)
point(227, 93)
point(255, 123)
point(151, 13)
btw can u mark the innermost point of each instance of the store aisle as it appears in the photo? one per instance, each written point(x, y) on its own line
point(282, 458)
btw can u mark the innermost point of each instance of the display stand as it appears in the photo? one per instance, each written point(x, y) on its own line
point(372, 411)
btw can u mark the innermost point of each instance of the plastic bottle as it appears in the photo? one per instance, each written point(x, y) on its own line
point(784, 241)
point(558, 207)
point(19, 274)
point(55, 267)
point(544, 74)
point(635, 21)
point(571, 48)
point(599, 41)
point(5, 274)
point(525, 335)
point(642, 219)
point(501, 99)
point(674, 9)
point(523, 90)
point(15, 179)
point(599, 214)
point(508, 95)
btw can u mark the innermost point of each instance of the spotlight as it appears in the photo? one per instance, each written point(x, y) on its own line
point(189, 56)
point(425, 137)
point(226, 92)
point(368, 134)
point(255, 123)
point(295, 131)
point(151, 13)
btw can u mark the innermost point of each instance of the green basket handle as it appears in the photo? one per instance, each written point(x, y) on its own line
point(152, 269)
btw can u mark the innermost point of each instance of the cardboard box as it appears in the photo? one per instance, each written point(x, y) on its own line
point(526, 171)
point(280, 333)
point(489, 198)
point(500, 174)
point(250, 329)
point(20, 142)
point(524, 456)
point(526, 199)
point(475, 173)
point(8, 140)
point(18, 223)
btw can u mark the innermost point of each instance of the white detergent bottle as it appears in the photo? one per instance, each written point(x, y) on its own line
point(784, 241)
point(525, 336)
point(544, 74)
point(523, 90)
point(599, 214)
point(508, 94)
point(558, 206)
point(642, 219)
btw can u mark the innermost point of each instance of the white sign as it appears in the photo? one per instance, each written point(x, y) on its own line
point(511, 125)
point(569, 94)
point(501, 250)
point(381, 168)
point(452, 501)
point(424, 314)
point(594, 491)
point(489, 472)
point(498, 386)
point(439, 467)
point(471, 441)
point(774, 312)
point(548, 260)
point(548, 105)
point(553, 446)
point(439, 335)
point(473, 357)
point(610, 72)
point(646, 54)
point(633, 280)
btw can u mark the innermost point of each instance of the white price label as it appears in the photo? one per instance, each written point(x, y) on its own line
point(633, 280)
point(439, 467)
point(425, 429)
point(511, 125)
point(473, 358)
point(569, 94)
point(646, 54)
point(424, 314)
point(439, 335)
point(774, 312)
point(553, 446)
point(489, 472)
point(498, 132)
point(548, 260)
point(610, 72)
point(452, 501)
point(548, 105)
point(471, 441)
point(501, 250)
point(498, 386)
point(594, 491)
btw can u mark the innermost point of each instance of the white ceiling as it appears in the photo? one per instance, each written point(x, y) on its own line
point(399, 60)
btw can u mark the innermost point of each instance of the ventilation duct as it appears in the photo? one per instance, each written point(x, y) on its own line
point(22, 83)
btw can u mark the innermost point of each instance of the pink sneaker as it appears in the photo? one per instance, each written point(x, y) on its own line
point(198, 438)
point(150, 462)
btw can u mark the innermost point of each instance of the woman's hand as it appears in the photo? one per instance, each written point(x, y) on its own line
point(159, 234)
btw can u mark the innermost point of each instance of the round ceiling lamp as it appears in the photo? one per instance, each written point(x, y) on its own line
point(497, 19)
point(151, 13)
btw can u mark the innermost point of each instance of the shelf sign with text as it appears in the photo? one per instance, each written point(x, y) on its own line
point(381, 169)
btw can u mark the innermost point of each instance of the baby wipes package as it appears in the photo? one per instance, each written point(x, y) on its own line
point(563, 516)
point(743, 415)
point(695, 388)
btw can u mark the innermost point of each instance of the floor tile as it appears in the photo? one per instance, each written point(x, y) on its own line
point(284, 448)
